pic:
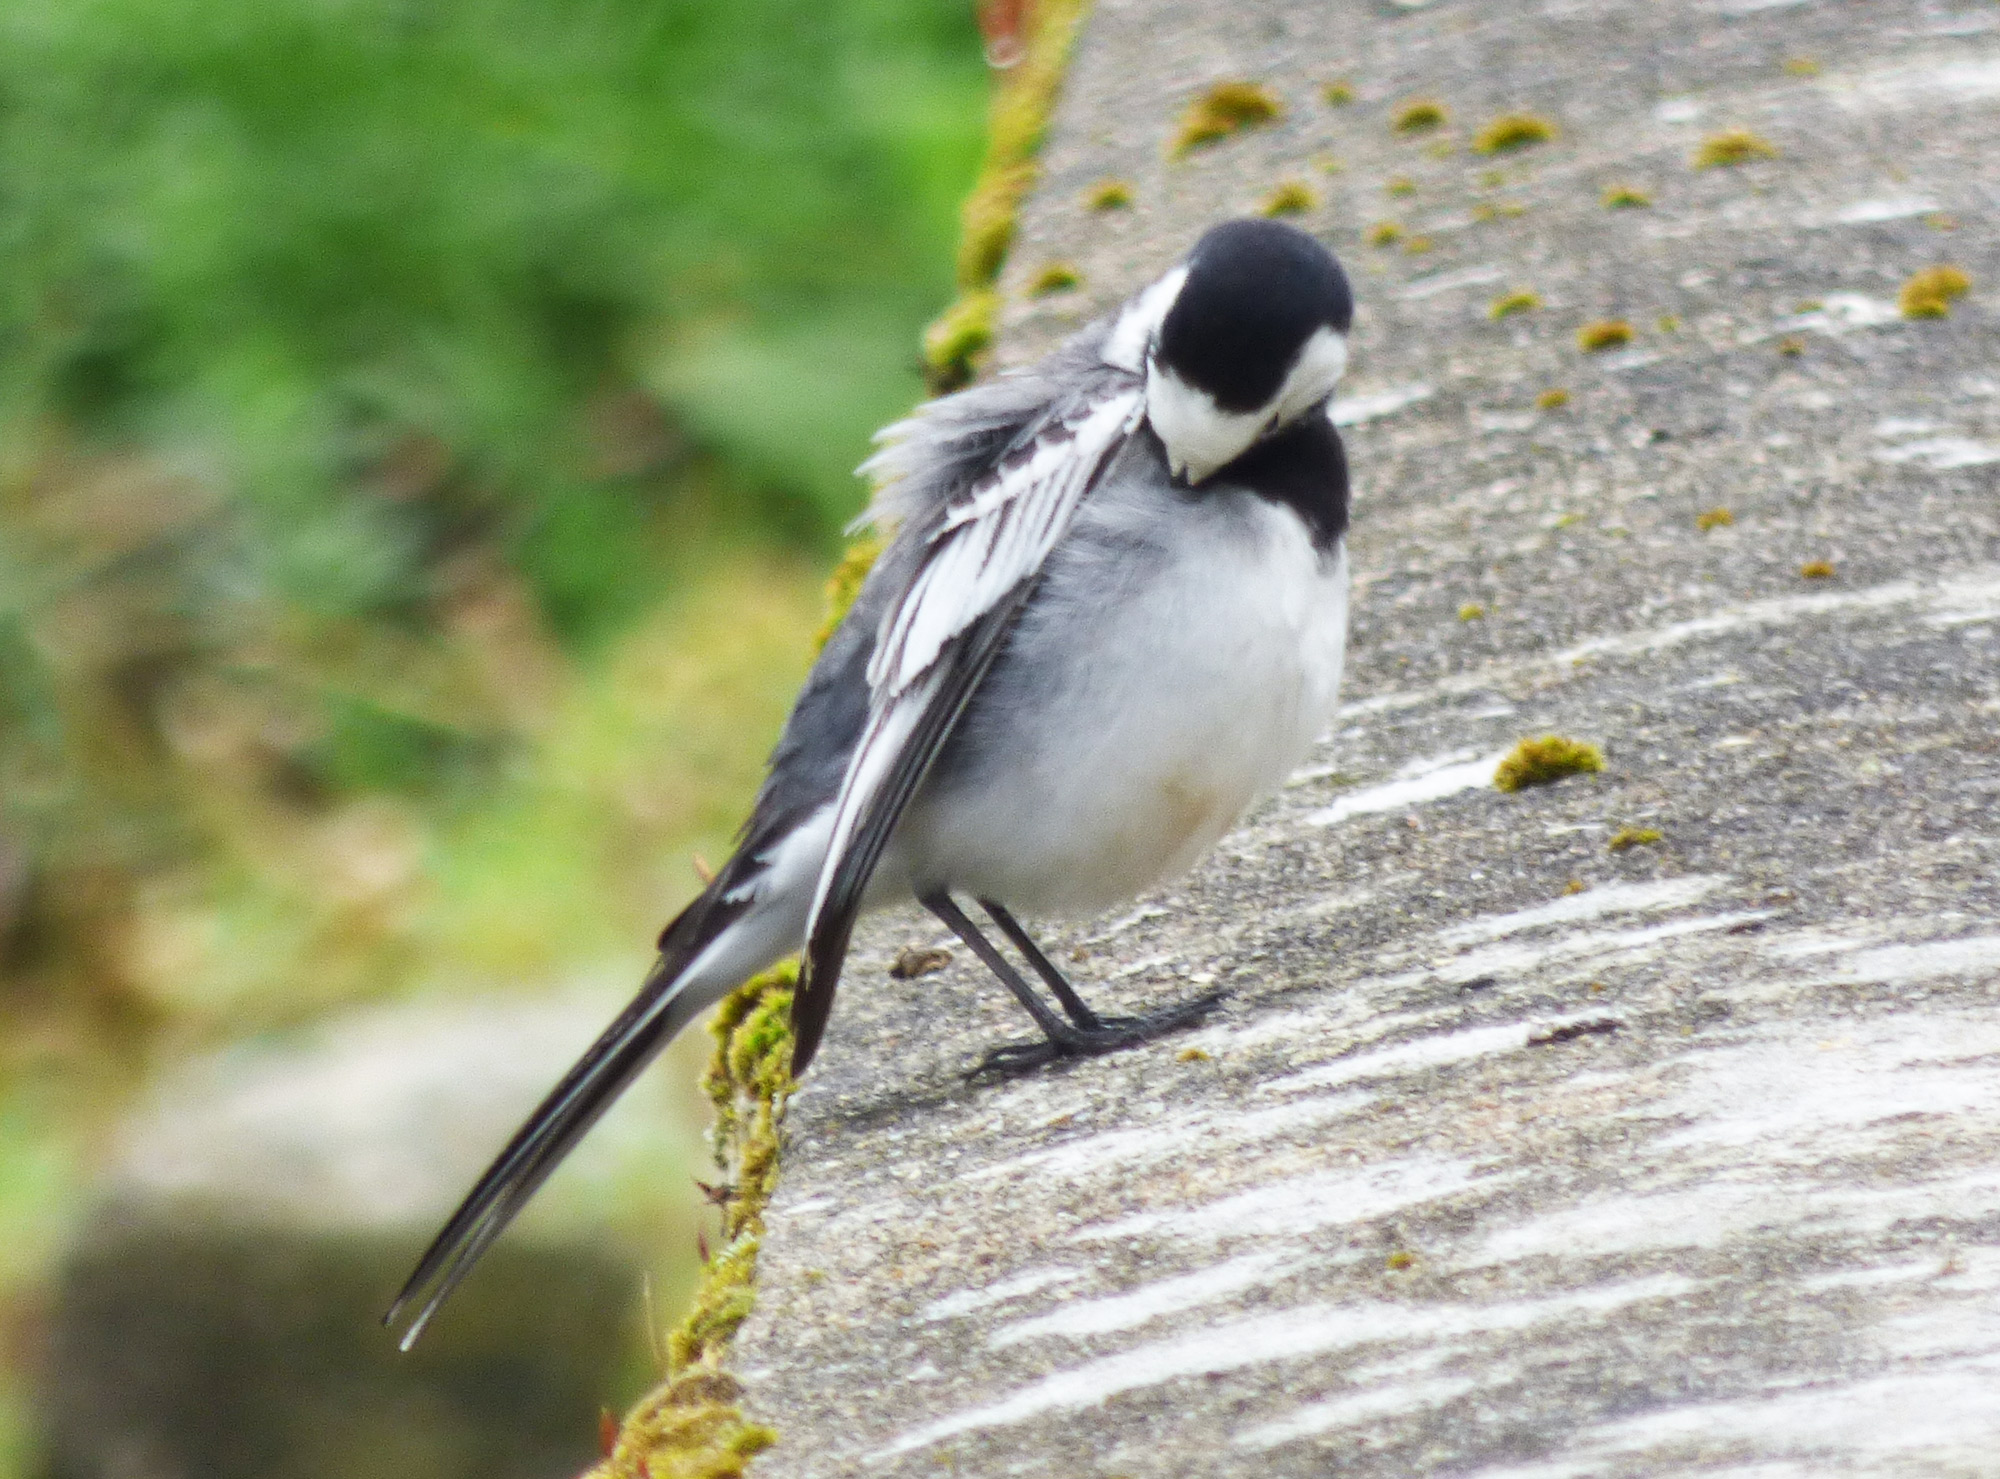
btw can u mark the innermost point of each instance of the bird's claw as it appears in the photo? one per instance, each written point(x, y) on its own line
point(1112, 1033)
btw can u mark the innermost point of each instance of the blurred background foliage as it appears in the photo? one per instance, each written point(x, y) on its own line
point(423, 427)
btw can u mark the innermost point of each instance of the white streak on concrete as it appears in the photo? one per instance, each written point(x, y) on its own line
point(1408, 1057)
point(1258, 1340)
point(1900, 964)
point(1897, 208)
point(1941, 454)
point(1403, 1399)
point(1181, 1135)
point(1619, 898)
point(967, 1301)
point(1420, 783)
point(1148, 1302)
point(1302, 1205)
point(1508, 959)
point(1445, 282)
point(1357, 409)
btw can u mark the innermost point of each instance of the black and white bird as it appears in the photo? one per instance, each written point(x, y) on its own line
point(1111, 614)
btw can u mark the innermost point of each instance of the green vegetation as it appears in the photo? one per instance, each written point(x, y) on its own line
point(1522, 300)
point(1540, 762)
point(1625, 198)
point(1055, 277)
point(1732, 147)
point(422, 431)
point(1291, 198)
point(1608, 333)
point(1226, 108)
point(1109, 195)
point(1630, 837)
point(1513, 131)
point(1419, 116)
point(1930, 293)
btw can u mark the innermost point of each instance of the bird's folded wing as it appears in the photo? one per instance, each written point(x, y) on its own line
point(934, 646)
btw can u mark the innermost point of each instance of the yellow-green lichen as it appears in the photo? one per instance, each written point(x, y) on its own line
point(1791, 346)
point(1109, 195)
point(1606, 333)
point(1484, 212)
point(1626, 837)
point(1337, 94)
point(954, 352)
point(1929, 293)
point(1816, 570)
point(956, 342)
point(1401, 185)
point(1419, 116)
point(1553, 399)
point(692, 1425)
point(1625, 198)
point(1418, 245)
point(1226, 108)
point(1521, 300)
point(1732, 147)
point(1715, 518)
point(1668, 323)
point(845, 583)
point(1055, 277)
point(1291, 198)
point(1472, 611)
point(1384, 233)
point(1539, 762)
point(1801, 66)
point(1513, 131)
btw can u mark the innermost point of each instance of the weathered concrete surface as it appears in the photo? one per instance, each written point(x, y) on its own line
point(1744, 1217)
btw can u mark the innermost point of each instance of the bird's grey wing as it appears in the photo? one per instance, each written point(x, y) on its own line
point(977, 561)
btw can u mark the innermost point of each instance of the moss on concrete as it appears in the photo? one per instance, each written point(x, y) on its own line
point(1540, 762)
point(1929, 294)
point(1225, 109)
point(692, 1426)
point(1732, 147)
point(1513, 131)
point(956, 345)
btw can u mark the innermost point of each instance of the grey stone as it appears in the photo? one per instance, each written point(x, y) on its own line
point(219, 1314)
point(1695, 1170)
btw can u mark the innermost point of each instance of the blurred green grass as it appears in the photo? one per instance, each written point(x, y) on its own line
point(423, 432)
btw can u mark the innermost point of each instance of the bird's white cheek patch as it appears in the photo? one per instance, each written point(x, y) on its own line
point(1198, 434)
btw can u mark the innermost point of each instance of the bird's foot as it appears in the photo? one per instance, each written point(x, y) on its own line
point(1112, 1033)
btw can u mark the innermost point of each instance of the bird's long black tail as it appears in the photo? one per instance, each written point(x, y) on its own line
point(673, 996)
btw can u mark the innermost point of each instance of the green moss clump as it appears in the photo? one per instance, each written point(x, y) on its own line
point(1540, 762)
point(1416, 246)
point(1625, 198)
point(955, 344)
point(1626, 837)
point(1608, 333)
point(1552, 400)
point(1472, 611)
point(1384, 233)
point(1109, 195)
point(956, 341)
point(1519, 301)
point(1401, 185)
point(1816, 570)
point(1292, 198)
point(1513, 131)
point(1733, 147)
point(1801, 66)
point(1225, 109)
point(845, 584)
point(1337, 94)
point(1419, 116)
point(692, 1426)
point(1930, 293)
point(1055, 277)
point(1715, 518)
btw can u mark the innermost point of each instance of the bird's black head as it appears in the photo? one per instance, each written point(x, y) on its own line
point(1255, 336)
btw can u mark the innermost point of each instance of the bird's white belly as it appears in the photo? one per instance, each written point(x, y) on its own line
point(1155, 720)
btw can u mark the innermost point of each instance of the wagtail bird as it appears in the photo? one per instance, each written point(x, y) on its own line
point(1110, 615)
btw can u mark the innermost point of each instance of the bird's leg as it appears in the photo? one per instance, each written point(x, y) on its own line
point(1134, 1029)
point(1079, 1012)
point(1060, 1039)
